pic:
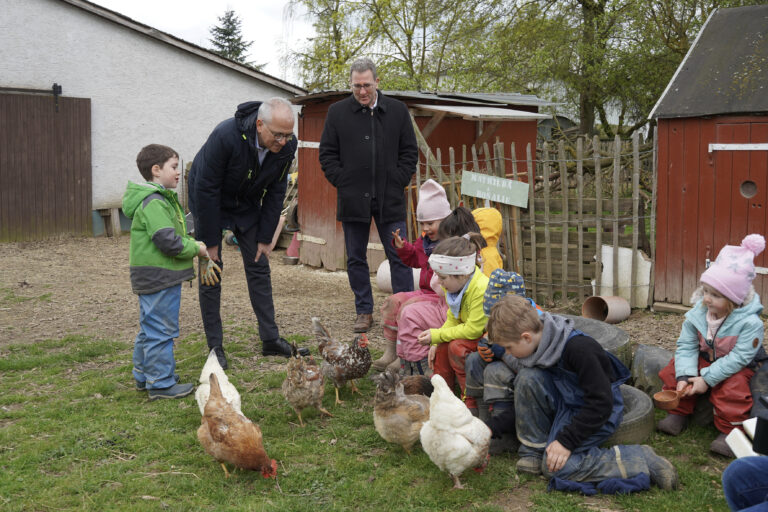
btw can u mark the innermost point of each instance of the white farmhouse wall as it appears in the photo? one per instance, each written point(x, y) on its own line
point(142, 90)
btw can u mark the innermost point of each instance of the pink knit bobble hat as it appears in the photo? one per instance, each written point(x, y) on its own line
point(734, 269)
point(433, 203)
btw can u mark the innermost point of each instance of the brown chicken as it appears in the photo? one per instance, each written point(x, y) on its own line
point(304, 384)
point(342, 362)
point(417, 385)
point(398, 417)
point(228, 436)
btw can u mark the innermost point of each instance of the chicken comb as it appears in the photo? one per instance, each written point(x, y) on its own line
point(363, 340)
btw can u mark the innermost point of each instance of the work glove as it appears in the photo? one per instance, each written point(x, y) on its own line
point(488, 351)
point(208, 271)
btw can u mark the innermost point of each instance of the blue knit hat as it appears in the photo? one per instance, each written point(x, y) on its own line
point(500, 284)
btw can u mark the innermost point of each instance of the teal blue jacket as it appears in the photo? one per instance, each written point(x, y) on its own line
point(161, 252)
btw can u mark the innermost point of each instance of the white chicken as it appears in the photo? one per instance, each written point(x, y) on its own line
point(453, 438)
point(227, 388)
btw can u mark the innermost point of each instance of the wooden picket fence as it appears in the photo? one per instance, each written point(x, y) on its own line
point(587, 194)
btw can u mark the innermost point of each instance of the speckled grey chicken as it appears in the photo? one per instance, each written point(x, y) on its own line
point(304, 384)
point(342, 362)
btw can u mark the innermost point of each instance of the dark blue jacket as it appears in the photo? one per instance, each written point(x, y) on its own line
point(368, 153)
point(227, 186)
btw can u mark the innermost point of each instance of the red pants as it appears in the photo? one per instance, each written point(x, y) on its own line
point(731, 398)
point(449, 364)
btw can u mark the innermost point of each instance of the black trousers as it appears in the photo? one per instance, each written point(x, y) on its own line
point(259, 279)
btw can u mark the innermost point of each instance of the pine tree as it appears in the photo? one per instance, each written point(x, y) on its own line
point(227, 40)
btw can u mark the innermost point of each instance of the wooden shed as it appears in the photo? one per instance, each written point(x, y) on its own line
point(713, 152)
point(444, 120)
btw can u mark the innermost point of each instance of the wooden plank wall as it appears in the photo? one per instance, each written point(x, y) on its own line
point(700, 203)
point(45, 167)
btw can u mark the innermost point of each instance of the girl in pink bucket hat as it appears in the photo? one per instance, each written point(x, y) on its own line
point(720, 344)
point(402, 350)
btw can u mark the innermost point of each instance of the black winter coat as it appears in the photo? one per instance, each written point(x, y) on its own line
point(228, 188)
point(367, 153)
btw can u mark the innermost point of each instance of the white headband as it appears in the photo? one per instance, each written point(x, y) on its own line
point(453, 265)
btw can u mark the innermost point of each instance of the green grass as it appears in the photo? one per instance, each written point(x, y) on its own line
point(74, 434)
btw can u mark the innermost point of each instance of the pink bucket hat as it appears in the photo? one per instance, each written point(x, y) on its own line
point(433, 203)
point(734, 269)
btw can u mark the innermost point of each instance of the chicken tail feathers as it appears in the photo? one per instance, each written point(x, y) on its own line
point(215, 388)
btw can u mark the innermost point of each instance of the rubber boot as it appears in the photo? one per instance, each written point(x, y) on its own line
point(508, 442)
point(394, 365)
point(389, 356)
point(482, 410)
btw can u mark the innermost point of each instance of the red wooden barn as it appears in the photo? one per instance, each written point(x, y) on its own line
point(713, 152)
point(445, 120)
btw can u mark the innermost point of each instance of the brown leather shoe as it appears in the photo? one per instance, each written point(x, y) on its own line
point(363, 322)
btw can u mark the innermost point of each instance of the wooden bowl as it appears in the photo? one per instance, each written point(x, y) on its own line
point(667, 400)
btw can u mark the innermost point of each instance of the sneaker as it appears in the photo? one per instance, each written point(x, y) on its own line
point(221, 357)
point(175, 391)
point(662, 472)
point(529, 465)
point(142, 385)
point(673, 424)
point(720, 447)
point(363, 322)
point(280, 347)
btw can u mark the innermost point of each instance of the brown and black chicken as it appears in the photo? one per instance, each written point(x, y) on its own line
point(397, 416)
point(342, 362)
point(304, 384)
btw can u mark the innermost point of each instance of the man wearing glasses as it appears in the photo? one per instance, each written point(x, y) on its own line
point(237, 182)
point(368, 152)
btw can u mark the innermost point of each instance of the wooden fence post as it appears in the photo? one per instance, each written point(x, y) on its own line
point(616, 192)
point(532, 218)
point(564, 242)
point(547, 223)
point(635, 215)
point(580, 212)
point(598, 215)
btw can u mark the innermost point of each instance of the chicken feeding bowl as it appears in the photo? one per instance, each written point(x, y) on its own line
point(667, 400)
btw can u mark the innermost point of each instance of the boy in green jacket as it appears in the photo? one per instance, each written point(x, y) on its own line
point(161, 259)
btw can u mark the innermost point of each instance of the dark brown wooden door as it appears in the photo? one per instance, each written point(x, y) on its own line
point(45, 167)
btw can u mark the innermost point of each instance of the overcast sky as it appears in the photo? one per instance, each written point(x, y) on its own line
point(265, 22)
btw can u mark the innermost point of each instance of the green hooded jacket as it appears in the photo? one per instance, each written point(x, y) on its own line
point(161, 251)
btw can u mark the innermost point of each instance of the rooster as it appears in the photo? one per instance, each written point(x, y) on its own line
point(304, 384)
point(342, 362)
point(398, 417)
point(227, 389)
point(453, 438)
point(228, 436)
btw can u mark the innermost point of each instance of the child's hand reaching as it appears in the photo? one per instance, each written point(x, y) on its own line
point(695, 385)
point(396, 240)
point(557, 456)
point(431, 357)
point(425, 337)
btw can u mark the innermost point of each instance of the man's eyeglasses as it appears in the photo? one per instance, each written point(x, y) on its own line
point(280, 137)
point(357, 87)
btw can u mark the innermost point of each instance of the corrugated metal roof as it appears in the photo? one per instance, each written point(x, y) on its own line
point(504, 98)
point(726, 69)
point(485, 113)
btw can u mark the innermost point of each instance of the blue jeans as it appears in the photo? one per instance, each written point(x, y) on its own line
point(356, 243)
point(493, 382)
point(745, 484)
point(537, 403)
point(153, 361)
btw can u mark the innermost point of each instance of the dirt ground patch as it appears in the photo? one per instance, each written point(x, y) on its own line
point(81, 287)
